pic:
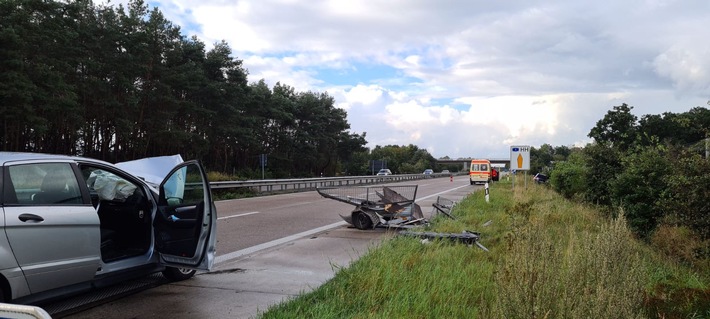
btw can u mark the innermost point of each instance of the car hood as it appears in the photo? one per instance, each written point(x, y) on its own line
point(152, 169)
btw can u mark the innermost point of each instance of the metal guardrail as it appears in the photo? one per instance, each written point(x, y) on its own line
point(305, 184)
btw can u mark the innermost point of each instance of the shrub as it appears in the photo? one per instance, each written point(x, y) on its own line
point(214, 176)
point(682, 245)
point(687, 196)
point(568, 178)
point(638, 188)
point(602, 164)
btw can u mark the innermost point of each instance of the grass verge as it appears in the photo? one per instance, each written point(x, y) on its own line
point(549, 258)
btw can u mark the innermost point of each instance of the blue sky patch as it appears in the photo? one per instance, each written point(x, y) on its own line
point(358, 73)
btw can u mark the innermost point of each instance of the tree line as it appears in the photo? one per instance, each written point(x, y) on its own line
point(654, 169)
point(409, 159)
point(121, 83)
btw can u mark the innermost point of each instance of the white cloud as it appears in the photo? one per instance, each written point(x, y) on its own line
point(463, 78)
point(687, 67)
point(365, 95)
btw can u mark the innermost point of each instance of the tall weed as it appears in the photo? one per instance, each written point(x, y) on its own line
point(551, 270)
point(549, 258)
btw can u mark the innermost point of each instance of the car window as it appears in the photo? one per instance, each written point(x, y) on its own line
point(42, 184)
point(184, 187)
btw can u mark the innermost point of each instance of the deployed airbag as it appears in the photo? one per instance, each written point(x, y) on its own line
point(109, 186)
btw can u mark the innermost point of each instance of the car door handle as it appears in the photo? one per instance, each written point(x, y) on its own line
point(32, 217)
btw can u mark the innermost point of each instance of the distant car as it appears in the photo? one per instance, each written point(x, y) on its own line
point(428, 171)
point(540, 178)
point(446, 171)
point(73, 223)
point(384, 172)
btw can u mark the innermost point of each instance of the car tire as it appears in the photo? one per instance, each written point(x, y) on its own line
point(178, 274)
point(471, 182)
point(2, 294)
point(362, 221)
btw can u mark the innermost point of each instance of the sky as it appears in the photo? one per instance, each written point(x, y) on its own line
point(469, 78)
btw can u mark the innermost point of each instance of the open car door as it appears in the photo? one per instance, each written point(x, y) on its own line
point(186, 221)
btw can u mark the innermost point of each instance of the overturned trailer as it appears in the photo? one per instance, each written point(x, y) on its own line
point(378, 206)
point(394, 207)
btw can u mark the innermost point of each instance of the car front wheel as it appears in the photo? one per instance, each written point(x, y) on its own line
point(178, 274)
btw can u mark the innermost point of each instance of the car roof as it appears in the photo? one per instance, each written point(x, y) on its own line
point(7, 157)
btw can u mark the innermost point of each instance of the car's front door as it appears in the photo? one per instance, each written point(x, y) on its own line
point(185, 224)
point(52, 228)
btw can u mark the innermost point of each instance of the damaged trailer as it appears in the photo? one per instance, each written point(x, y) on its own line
point(394, 207)
point(378, 206)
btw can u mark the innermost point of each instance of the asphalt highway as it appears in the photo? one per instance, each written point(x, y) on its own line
point(269, 249)
point(249, 222)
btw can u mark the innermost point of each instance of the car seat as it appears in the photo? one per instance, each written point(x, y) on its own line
point(55, 190)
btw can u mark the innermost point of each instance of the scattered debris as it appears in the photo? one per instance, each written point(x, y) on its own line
point(443, 206)
point(225, 271)
point(466, 237)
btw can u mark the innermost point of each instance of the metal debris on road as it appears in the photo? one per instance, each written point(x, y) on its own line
point(444, 206)
point(465, 237)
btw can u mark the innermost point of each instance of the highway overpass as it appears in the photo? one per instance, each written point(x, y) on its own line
point(466, 162)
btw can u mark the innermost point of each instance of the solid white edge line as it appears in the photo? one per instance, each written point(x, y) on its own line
point(253, 249)
point(240, 215)
point(439, 193)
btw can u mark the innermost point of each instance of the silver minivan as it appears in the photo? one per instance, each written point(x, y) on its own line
point(70, 224)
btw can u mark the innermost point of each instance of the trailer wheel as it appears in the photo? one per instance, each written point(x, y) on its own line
point(361, 220)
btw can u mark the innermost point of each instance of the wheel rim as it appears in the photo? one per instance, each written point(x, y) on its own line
point(184, 271)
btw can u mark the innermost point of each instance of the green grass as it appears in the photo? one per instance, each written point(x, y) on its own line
point(549, 258)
